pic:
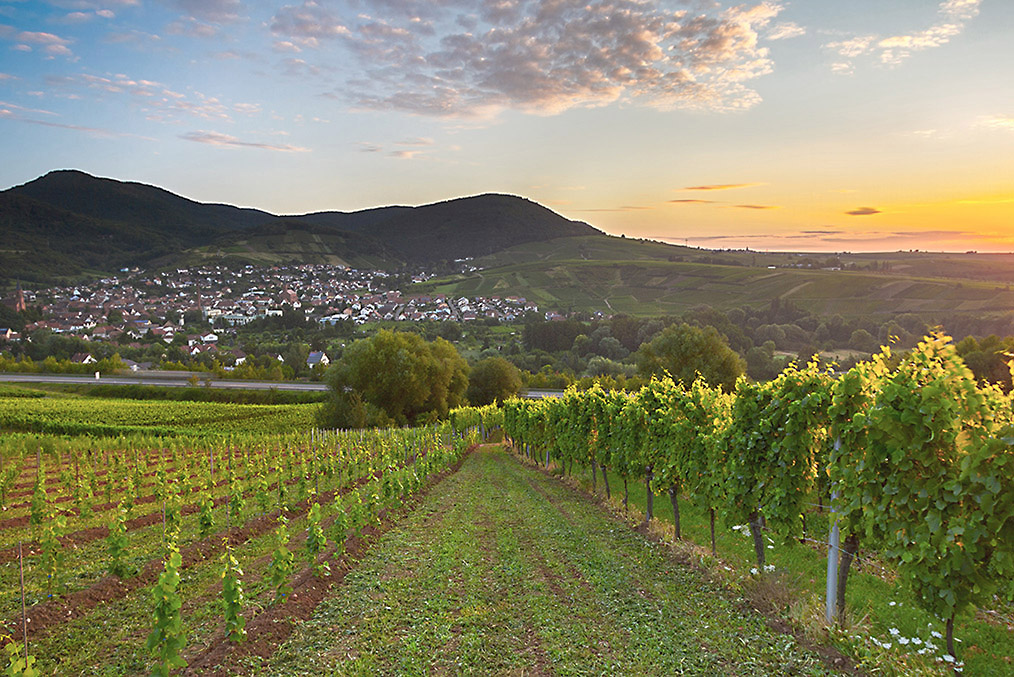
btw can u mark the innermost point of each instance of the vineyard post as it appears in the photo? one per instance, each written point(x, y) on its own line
point(831, 589)
point(24, 617)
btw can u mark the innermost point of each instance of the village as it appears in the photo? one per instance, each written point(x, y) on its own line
point(193, 308)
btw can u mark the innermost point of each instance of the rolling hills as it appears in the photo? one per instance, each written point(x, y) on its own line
point(69, 223)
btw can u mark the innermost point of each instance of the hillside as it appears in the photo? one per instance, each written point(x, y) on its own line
point(614, 275)
point(69, 223)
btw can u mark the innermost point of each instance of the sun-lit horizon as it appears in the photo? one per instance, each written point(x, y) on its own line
point(770, 125)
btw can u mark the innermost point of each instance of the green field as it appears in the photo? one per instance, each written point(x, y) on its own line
point(504, 570)
point(69, 415)
point(612, 275)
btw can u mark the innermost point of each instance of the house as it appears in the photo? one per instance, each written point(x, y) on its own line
point(83, 358)
point(317, 357)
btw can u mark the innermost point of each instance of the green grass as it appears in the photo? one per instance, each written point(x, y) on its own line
point(876, 601)
point(505, 570)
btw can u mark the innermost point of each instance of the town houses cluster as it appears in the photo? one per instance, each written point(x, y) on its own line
point(136, 302)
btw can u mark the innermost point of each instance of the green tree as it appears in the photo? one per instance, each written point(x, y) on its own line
point(398, 374)
point(493, 379)
point(683, 351)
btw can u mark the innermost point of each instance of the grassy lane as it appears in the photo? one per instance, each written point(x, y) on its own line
point(504, 570)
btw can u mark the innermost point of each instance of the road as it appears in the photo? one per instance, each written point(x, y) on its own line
point(180, 381)
point(161, 380)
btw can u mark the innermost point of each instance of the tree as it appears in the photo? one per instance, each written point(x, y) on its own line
point(493, 379)
point(683, 351)
point(397, 375)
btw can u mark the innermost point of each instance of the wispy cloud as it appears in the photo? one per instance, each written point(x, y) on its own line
point(462, 58)
point(891, 50)
point(23, 109)
point(418, 141)
point(192, 28)
point(405, 154)
point(1002, 122)
point(227, 141)
point(722, 186)
point(6, 113)
point(216, 11)
point(785, 31)
point(155, 100)
point(756, 206)
point(863, 211)
point(624, 208)
point(689, 201)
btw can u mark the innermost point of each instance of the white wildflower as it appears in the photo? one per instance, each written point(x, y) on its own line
point(894, 632)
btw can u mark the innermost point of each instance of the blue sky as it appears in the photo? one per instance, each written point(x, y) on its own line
point(816, 125)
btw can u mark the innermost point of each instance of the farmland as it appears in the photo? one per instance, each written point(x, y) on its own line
point(281, 549)
point(100, 524)
point(505, 570)
point(649, 279)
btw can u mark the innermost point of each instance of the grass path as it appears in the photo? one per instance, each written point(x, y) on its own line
point(503, 570)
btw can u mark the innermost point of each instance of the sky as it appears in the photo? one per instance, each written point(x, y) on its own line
point(814, 125)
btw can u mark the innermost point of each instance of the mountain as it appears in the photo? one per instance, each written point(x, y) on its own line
point(69, 223)
point(137, 204)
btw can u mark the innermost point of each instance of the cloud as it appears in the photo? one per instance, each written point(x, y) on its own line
point(7, 114)
point(692, 201)
point(822, 232)
point(50, 43)
point(307, 24)
point(952, 17)
point(93, 4)
point(404, 154)
point(14, 106)
point(155, 100)
point(466, 59)
point(863, 211)
point(1002, 122)
point(418, 141)
point(7, 76)
point(785, 31)
point(227, 141)
point(624, 208)
point(756, 206)
point(216, 11)
point(191, 27)
point(722, 186)
point(367, 147)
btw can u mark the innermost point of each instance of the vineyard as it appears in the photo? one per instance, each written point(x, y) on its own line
point(114, 417)
point(210, 538)
point(108, 543)
point(909, 458)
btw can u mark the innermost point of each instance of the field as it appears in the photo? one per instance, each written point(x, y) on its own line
point(504, 570)
point(85, 416)
point(400, 553)
point(643, 278)
point(96, 523)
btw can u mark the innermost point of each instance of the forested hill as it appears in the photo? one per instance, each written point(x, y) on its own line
point(69, 223)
